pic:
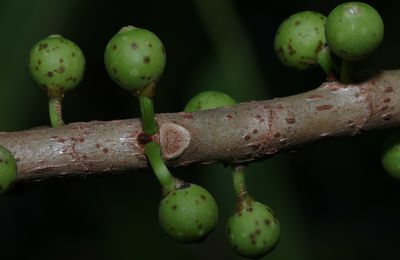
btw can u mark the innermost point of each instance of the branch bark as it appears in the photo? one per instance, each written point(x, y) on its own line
point(239, 134)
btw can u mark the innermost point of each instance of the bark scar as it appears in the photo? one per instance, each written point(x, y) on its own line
point(174, 140)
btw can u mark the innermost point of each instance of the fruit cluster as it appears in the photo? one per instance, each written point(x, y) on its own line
point(352, 31)
point(135, 59)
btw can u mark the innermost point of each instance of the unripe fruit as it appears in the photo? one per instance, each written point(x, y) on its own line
point(208, 100)
point(188, 214)
point(8, 169)
point(56, 64)
point(134, 58)
point(354, 30)
point(300, 38)
point(391, 155)
point(253, 230)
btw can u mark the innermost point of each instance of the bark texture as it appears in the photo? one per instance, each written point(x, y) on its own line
point(242, 133)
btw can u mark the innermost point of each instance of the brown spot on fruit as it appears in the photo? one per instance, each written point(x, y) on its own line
point(203, 197)
point(50, 74)
point(73, 54)
point(297, 23)
point(43, 46)
point(39, 62)
point(114, 47)
point(61, 69)
point(255, 131)
point(150, 45)
point(146, 59)
point(319, 47)
point(229, 116)
point(61, 60)
point(97, 146)
point(134, 45)
point(292, 51)
point(247, 137)
point(105, 150)
point(174, 207)
point(387, 100)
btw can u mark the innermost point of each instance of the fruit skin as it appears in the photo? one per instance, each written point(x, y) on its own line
point(391, 155)
point(300, 38)
point(209, 100)
point(134, 58)
point(188, 214)
point(354, 30)
point(8, 170)
point(56, 64)
point(253, 229)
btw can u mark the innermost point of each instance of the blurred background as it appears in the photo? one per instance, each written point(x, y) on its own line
point(333, 198)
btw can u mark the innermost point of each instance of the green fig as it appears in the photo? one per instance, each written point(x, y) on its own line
point(8, 169)
point(188, 214)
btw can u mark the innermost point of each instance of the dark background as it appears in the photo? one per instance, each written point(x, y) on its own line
point(333, 199)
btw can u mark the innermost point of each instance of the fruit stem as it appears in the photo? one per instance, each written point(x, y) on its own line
point(55, 111)
point(326, 62)
point(239, 182)
point(346, 76)
point(147, 110)
point(164, 176)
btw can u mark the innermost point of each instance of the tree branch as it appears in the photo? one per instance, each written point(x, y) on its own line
point(242, 133)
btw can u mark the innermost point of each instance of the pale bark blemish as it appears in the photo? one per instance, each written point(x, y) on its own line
point(174, 140)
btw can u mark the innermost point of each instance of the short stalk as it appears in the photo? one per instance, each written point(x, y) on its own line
point(239, 182)
point(153, 153)
point(346, 76)
point(326, 62)
point(149, 123)
point(55, 111)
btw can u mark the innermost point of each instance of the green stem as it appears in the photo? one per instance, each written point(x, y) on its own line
point(346, 76)
point(153, 153)
point(326, 62)
point(55, 111)
point(150, 126)
point(239, 182)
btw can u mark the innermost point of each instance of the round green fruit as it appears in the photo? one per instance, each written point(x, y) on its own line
point(56, 64)
point(253, 230)
point(209, 100)
point(391, 155)
point(8, 169)
point(300, 38)
point(354, 30)
point(134, 58)
point(188, 214)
